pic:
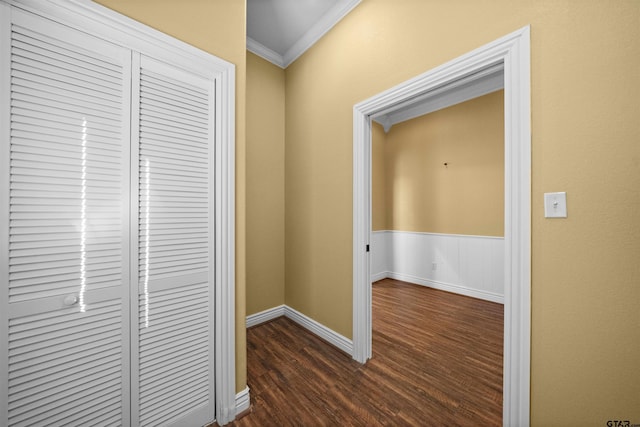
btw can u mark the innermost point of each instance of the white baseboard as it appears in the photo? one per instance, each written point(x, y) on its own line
point(329, 335)
point(316, 328)
point(265, 316)
point(456, 289)
point(380, 276)
point(243, 401)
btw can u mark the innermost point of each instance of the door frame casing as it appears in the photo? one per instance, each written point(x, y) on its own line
point(513, 52)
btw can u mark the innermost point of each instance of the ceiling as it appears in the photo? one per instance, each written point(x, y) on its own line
point(282, 30)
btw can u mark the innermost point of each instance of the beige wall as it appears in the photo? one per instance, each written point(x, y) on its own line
point(466, 196)
point(265, 185)
point(217, 27)
point(378, 178)
point(585, 91)
point(585, 132)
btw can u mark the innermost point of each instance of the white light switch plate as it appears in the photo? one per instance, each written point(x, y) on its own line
point(555, 205)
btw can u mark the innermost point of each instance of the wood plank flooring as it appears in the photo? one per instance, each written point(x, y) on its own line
point(437, 360)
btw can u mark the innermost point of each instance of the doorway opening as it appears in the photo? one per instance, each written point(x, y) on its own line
point(510, 55)
point(438, 221)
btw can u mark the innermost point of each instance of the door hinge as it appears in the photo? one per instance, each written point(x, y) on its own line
point(367, 248)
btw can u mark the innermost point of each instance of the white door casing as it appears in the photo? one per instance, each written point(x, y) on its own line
point(512, 52)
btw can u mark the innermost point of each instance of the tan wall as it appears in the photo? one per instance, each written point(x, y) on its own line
point(217, 27)
point(585, 132)
point(265, 185)
point(466, 196)
point(378, 178)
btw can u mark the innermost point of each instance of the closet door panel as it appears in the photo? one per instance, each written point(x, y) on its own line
point(68, 257)
point(175, 245)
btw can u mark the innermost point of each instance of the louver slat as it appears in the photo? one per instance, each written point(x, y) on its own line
point(68, 179)
point(81, 163)
point(42, 397)
point(174, 243)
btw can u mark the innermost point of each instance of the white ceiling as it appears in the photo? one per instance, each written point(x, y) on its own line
point(282, 30)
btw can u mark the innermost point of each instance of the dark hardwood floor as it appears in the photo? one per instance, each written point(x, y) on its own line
point(437, 360)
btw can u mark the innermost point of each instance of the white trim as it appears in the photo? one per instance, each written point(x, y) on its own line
point(449, 287)
point(382, 275)
point(473, 87)
point(517, 331)
point(362, 318)
point(329, 335)
point(225, 334)
point(118, 29)
point(320, 28)
point(428, 233)
point(243, 401)
point(265, 316)
point(313, 326)
point(264, 52)
point(308, 39)
point(513, 51)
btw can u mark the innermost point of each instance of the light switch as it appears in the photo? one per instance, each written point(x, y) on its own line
point(555, 205)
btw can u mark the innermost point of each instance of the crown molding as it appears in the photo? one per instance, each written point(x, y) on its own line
point(308, 39)
point(264, 52)
point(315, 33)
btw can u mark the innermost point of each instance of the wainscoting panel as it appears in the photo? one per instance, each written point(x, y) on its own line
point(467, 265)
point(380, 265)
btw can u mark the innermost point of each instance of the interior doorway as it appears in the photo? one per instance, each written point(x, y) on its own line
point(511, 55)
point(437, 205)
point(437, 196)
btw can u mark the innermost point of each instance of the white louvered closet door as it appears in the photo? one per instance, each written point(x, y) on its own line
point(65, 307)
point(175, 370)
